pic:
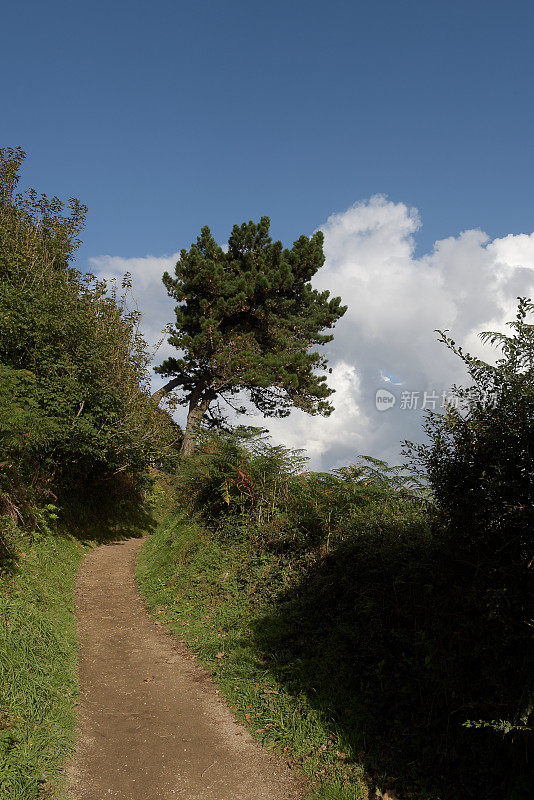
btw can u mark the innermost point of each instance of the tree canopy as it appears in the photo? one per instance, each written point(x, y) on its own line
point(248, 321)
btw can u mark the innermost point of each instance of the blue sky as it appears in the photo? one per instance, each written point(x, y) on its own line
point(165, 116)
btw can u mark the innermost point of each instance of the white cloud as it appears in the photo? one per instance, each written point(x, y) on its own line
point(396, 301)
point(328, 440)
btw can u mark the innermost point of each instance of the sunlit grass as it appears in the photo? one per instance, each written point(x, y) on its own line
point(211, 595)
point(38, 656)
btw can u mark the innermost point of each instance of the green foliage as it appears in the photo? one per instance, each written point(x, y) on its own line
point(74, 403)
point(241, 478)
point(38, 652)
point(247, 320)
point(479, 461)
point(239, 473)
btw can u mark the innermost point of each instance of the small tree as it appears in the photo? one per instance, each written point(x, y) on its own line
point(480, 459)
point(247, 321)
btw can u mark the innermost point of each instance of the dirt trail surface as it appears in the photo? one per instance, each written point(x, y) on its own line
point(151, 722)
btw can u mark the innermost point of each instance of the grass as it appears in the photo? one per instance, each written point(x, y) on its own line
point(38, 656)
point(214, 596)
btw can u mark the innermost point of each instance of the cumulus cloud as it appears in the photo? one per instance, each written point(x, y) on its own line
point(386, 340)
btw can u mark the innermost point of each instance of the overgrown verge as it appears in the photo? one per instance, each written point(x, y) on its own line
point(38, 656)
point(344, 624)
point(212, 595)
point(232, 592)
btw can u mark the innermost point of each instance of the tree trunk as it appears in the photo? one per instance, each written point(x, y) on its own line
point(198, 405)
point(194, 417)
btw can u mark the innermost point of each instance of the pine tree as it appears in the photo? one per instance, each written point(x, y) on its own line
point(247, 321)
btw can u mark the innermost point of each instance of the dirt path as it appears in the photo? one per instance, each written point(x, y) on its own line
point(151, 723)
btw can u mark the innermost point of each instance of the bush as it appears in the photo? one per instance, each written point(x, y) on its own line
point(397, 589)
point(240, 479)
point(74, 402)
point(479, 464)
point(479, 460)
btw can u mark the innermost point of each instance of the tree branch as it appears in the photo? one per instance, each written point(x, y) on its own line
point(156, 397)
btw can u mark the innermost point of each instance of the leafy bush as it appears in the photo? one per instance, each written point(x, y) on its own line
point(480, 464)
point(74, 402)
point(238, 474)
point(241, 480)
point(480, 457)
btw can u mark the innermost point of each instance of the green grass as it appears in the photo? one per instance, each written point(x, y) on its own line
point(214, 596)
point(38, 657)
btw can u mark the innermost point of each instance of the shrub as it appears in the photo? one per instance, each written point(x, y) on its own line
point(240, 478)
point(74, 402)
point(479, 463)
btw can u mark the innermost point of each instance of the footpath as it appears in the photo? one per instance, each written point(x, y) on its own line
point(152, 724)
